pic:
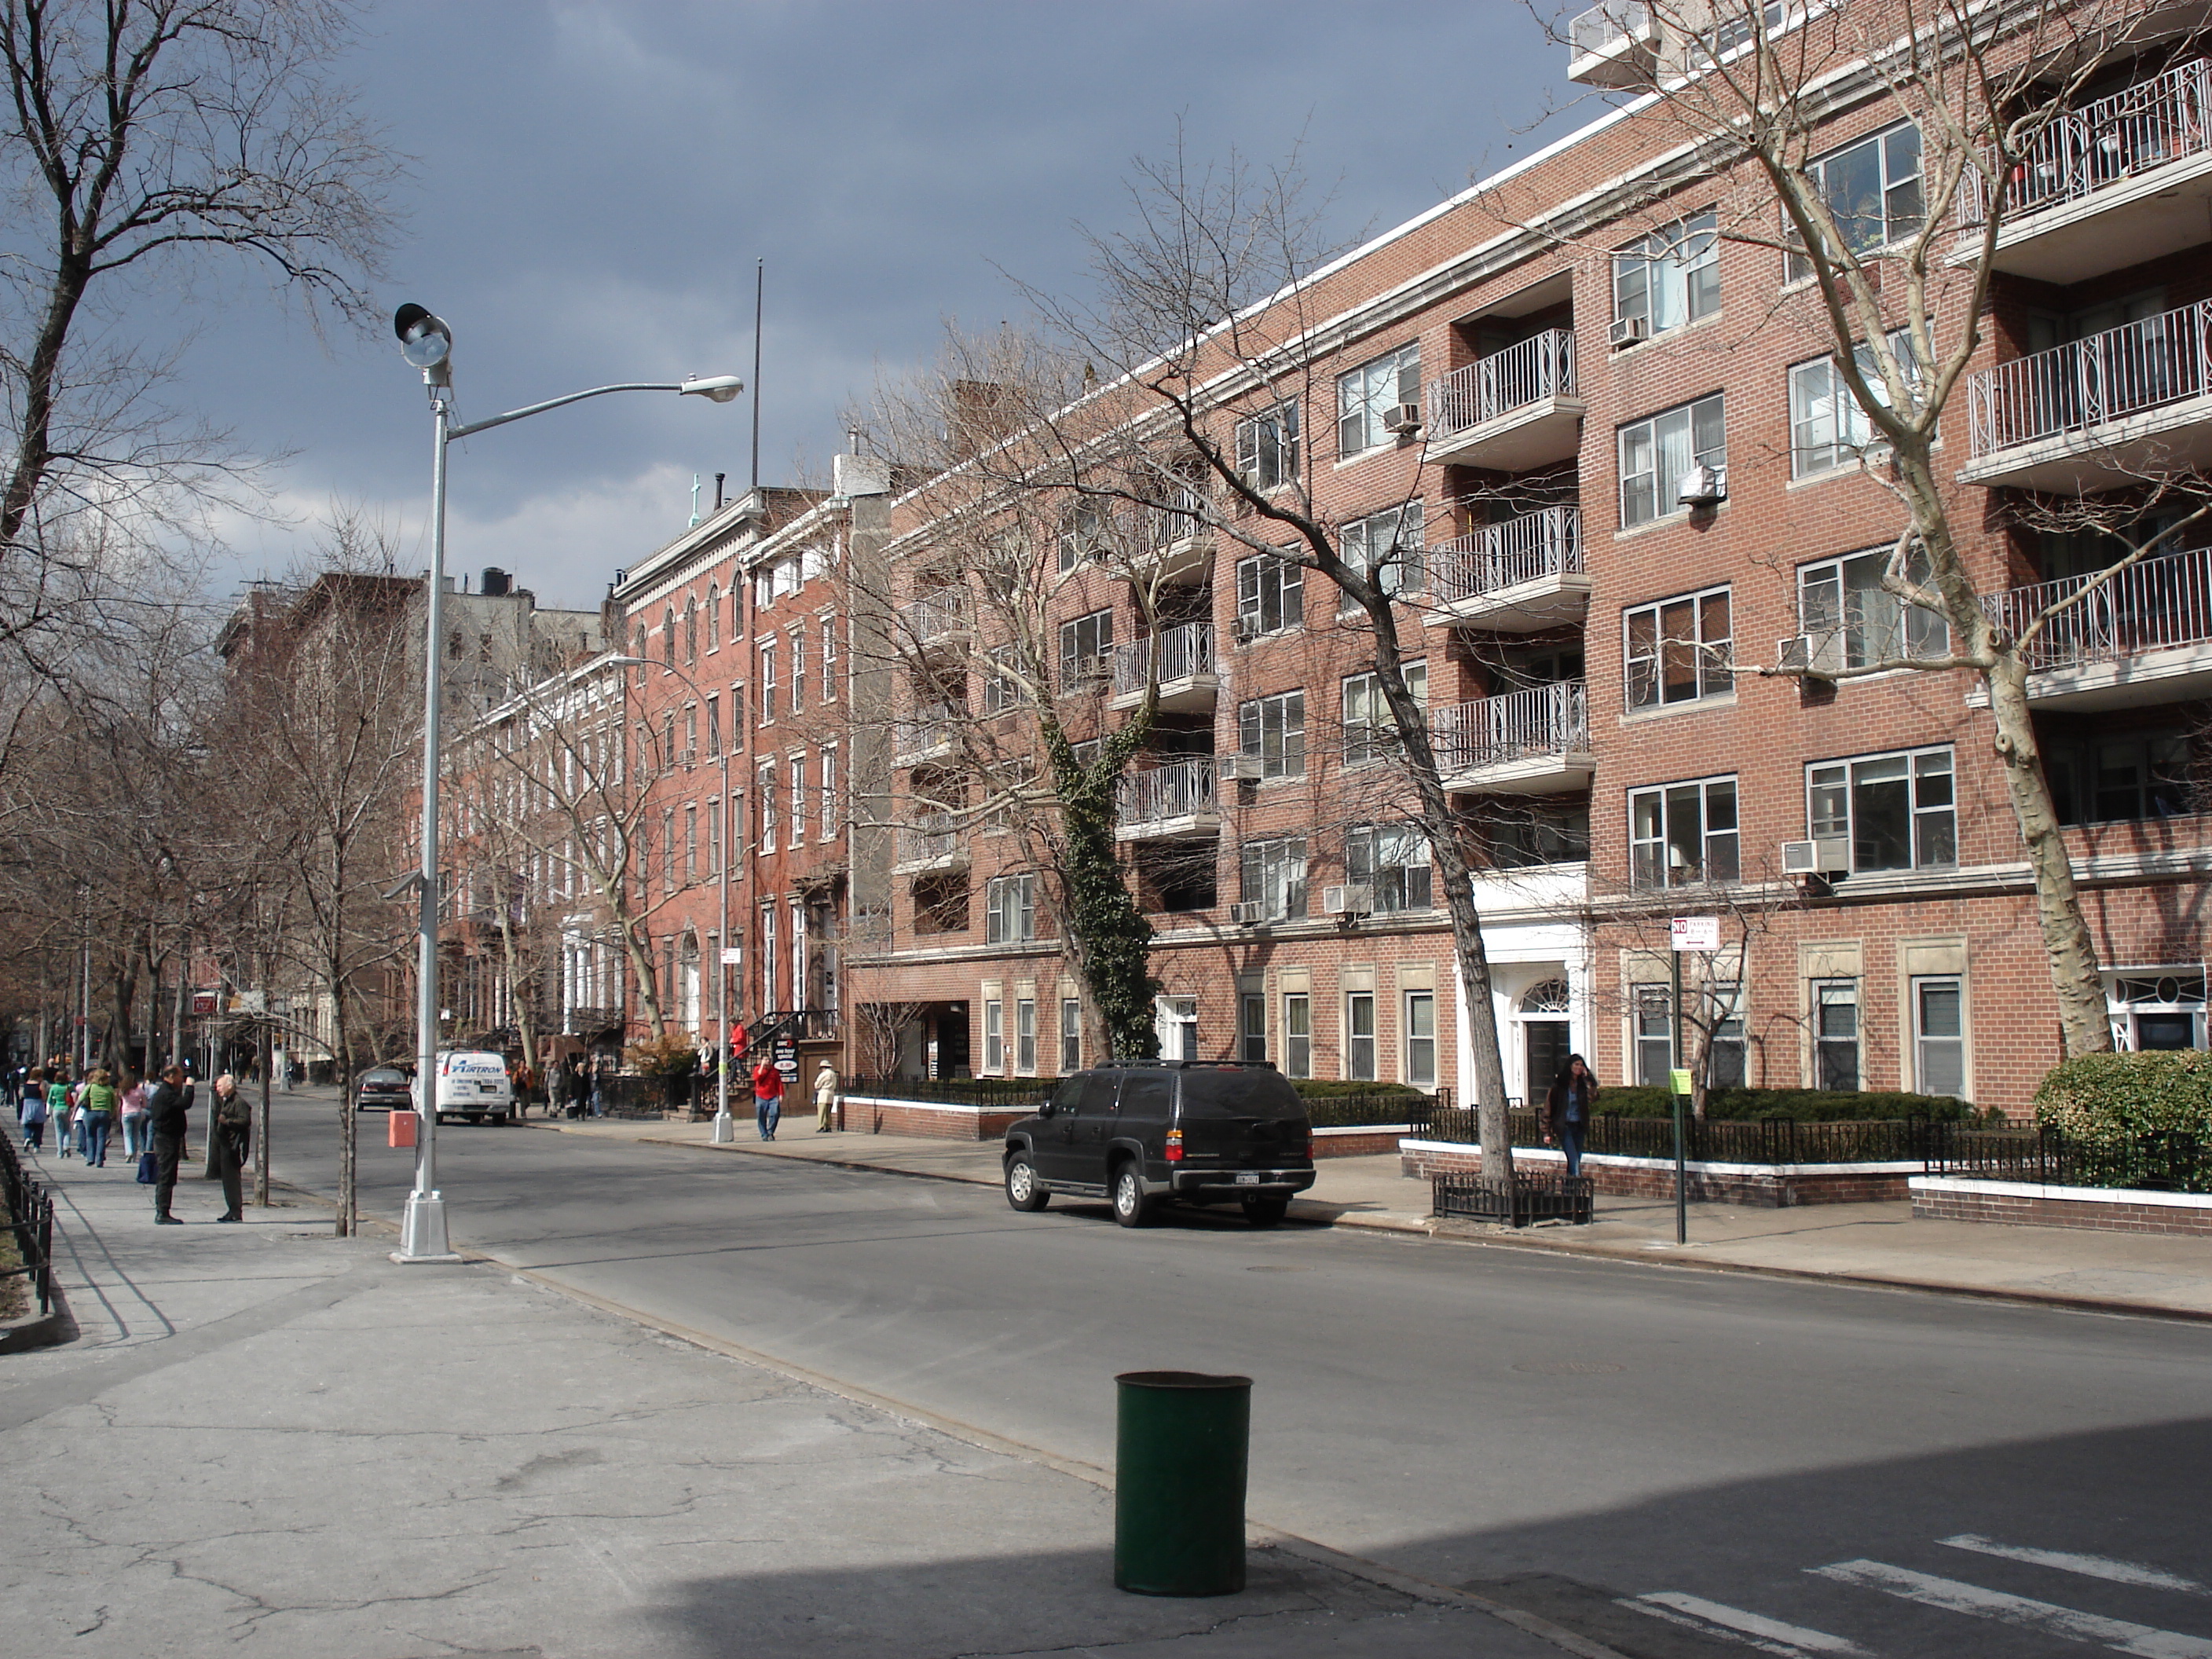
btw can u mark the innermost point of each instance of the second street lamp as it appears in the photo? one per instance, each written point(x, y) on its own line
point(428, 343)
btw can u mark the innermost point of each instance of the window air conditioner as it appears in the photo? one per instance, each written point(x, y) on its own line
point(1820, 655)
point(1240, 768)
point(1253, 479)
point(1827, 855)
point(1245, 629)
point(1245, 914)
point(1403, 419)
point(1627, 330)
point(1701, 486)
point(1353, 899)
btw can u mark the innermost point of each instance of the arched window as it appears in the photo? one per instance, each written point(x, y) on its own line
point(714, 616)
point(668, 636)
point(1548, 997)
point(691, 632)
point(736, 610)
point(638, 650)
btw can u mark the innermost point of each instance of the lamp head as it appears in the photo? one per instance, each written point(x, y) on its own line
point(718, 388)
point(425, 340)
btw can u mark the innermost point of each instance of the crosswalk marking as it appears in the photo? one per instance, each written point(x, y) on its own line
point(1768, 1634)
point(2143, 1641)
point(2089, 1566)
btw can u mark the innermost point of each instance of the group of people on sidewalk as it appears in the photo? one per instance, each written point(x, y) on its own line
point(768, 1097)
point(154, 1125)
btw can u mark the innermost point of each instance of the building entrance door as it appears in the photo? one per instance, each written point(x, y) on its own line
point(1546, 1043)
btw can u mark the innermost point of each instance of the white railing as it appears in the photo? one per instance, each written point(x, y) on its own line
point(1146, 530)
point(1180, 789)
point(934, 837)
point(2156, 606)
point(918, 734)
point(1543, 721)
point(1184, 651)
point(2123, 136)
point(2084, 383)
point(933, 614)
point(1617, 22)
point(1540, 366)
point(1545, 543)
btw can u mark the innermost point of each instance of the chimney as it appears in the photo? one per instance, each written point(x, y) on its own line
point(496, 582)
point(719, 476)
point(983, 412)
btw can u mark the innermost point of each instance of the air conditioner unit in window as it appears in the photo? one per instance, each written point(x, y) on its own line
point(1245, 629)
point(1353, 899)
point(1827, 855)
point(1701, 486)
point(1627, 330)
point(1245, 914)
point(1820, 655)
point(1402, 418)
point(1240, 768)
point(1253, 479)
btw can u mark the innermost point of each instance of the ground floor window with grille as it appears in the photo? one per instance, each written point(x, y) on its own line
point(995, 1037)
point(1836, 1033)
point(1394, 858)
point(1939, 1037)
point(1654, 1036)
point(1071, 1035)
point(1421, 1039)
point(1252, 1026)
point(1359, 1037)
point(1297, 1035)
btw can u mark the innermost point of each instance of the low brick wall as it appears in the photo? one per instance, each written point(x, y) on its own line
point(869, 1114)
point(2097, 1209)
point(1759, 1186)
point(1357, 1140)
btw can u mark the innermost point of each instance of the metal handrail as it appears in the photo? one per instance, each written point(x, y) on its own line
point(1183, 651)
point(1615, 23)
point(1542, 721)
point(1545, 543)
point(2160, 604)
point(2134, 131)
point(935, 836)
point(2124, 371)
point(1180, 789)
point(934, 615)
point(1543, 366)
point(918, 732)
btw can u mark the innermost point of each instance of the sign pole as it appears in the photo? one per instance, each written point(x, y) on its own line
point(1684, 933)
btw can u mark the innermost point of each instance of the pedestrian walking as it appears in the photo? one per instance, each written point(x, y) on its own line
point(230, 1141)
point(34, 1110)
point(95, 1108)
point(135, 1139)
point(598, 1093)
point(767, 1098)
point(61, 1106)
point(825, 1098)
point(166, 1107)
point(1568, 1108)
point(556, 1089)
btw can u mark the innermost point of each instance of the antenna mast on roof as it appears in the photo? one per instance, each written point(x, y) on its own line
point(760, 280)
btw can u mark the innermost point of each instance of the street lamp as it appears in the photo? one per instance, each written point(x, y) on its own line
point(725, 1132)
point(427, 344)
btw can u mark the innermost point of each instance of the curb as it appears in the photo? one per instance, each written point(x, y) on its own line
point(46, 1330)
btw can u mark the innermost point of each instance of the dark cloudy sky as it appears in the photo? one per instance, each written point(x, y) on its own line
point(596, 177)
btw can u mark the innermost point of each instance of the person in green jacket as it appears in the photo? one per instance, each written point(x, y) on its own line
point(95, 1106)
point(61, 1106)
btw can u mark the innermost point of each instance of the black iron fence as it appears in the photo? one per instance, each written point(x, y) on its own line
point(997, 1093)
point(1515, 1203)
point(1886, 1140)
point(2164, 1162)
point(1359, 1111)
point(31, 1218)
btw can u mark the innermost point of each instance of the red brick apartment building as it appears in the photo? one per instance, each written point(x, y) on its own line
point(1613, 430)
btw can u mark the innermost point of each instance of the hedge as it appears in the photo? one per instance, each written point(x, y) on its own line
point(1320, 1088)
point(2108, 1099)
point(1804, 1105)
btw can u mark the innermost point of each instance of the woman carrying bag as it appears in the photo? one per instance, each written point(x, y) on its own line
point(230, 1142)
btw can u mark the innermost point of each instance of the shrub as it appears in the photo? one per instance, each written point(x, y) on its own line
point(1804, 1105)
point(1322, 1088)
point(663, 1056)
point(2106, 1099)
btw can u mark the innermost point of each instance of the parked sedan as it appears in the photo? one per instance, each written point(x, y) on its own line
point(383, 1089)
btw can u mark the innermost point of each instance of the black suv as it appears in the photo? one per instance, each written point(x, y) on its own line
point(1203, 1131)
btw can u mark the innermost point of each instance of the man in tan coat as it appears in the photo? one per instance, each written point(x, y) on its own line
point(825, 1098)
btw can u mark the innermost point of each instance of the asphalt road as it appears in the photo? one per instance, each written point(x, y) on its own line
point(1901, 1474)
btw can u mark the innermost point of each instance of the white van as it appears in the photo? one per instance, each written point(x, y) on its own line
point(473, 1085)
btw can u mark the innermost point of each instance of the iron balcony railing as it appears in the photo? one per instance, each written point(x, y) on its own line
point(1545, 543)
point(934, 837)
point(2124, 371)
point(1181, 651)
point(1543, 721)
point(1180, 789)
point(2124, 136)
point(1539, 368)
point(1613, 24)
point(2156, 606)
point(933, 615)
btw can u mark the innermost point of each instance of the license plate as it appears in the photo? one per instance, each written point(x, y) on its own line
point(1249, 1178)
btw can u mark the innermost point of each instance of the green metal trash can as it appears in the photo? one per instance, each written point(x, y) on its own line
point(1181, 1442)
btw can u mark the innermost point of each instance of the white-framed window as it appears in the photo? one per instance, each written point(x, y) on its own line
point(1001, 690)
point(1655, 451)
point(1728, 1053)
point(737, 612)
point(668, 851)
point(1267, 446)
point(1828, 427)
point(1273, 874)
point(829, 660)
point(1421, 1039)
point(691, 629)
point(1086, 650)
point(1010, 909)
point(831, 826)
point(1836, 1033)
point(2154, 1008)
point(1359, 1036)
point(1939, 1035)
point(1271, 595)
point(798, 799)
point(764, 787)
point(1679, 649)
point(798, 670)
point(690, 844)
point(994, 1036)
point(1252, 1024)
point(1365, 397)
point(1371, 730)
point(667, 638)
point(1672, 276)
point(1071, 1035)
point(768, 956)
point(1385, 547)
point(1651, 1020)
point(713, 616)
point(1394, 858)
point(1298, 1034)
point(767, 681)
point(1025, 1047)
point(1872, 190)
point(1083, 532)
point(713, 727)
point(1683, 835)
point(1899, 811)
point(1275, 729)
point(1842, 607)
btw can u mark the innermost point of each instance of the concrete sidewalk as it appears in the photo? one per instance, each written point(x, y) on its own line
point(268, 1441)
point(1877, 1245)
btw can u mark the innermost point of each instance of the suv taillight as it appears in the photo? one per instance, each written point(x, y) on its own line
point(1175, 1145)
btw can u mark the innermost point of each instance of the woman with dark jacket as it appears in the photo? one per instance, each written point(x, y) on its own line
point(1568, 1109)
point(230, 1139)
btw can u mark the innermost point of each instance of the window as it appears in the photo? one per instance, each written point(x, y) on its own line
point(1365, 397)
point(713, 727)
point(768, 958)
point(1683, 835)
point(767, 681)
point(667, 638)
point(1010, 910)
point(1298, 1034)
point(1421, 1039)
point(1275, 729)
point(1371, 730)
point(831, 825)
point(1898, 811)
point(2129, 777)
point(1394, 858)
point(1082, 533)
point(668, 850)
point(1001, 690)
point(737, 612)
point(1655, 453)
point(1267, 447)
point(765, 787)
point(1273, 875)
point(1679, 650)
point(1672, 276)
point(1359, 1036)
point(1727, 1053)
point(1086, 650)
point(715, 836)
point(1071, 1035)
point(691, 845)
point(1939, 1037)
point(798, 799)
point(994, 1036)
point(1827, 426)
point(1385, 547)
point(1852, 622)
point(691, 632)
point(690, 733)
point(797, 671)
point(1252, 1026)
point(1025, 1035)
point(714, 616)
point(1271, 595)
point(829, 660)
point(1653, 1020)
point(637, 650)
point(1872, 190)
point(1836, 1033)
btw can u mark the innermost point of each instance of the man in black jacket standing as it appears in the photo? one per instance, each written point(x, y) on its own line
point(165, 1109)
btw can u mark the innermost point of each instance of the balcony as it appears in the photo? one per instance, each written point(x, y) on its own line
point(1187, 677)
point(928, 735)
point(1516, 577)
point(933, 844)
point(2110, 185)
point(934, 616)
point(1172, 543)
point(1513, 409)
point(2142, 637)
point(1169, 801)
point(1615, 45)
point(2133, 401)
point(1534, 742)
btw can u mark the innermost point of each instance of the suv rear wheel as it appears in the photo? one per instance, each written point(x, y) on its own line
point(1023, 1190)
point(1131, 1207)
